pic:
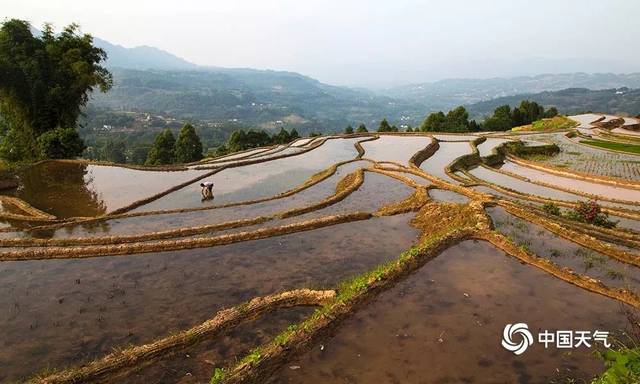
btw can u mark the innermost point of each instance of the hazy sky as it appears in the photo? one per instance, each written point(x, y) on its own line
point(370, 43)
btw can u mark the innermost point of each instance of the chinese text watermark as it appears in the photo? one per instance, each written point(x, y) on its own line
point(517, 338)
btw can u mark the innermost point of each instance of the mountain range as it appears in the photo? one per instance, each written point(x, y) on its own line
point(152, 80)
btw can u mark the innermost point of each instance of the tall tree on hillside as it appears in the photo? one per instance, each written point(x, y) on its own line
point(114, 151)
point(361, 128)
point(434, 122)
point(457, 120)
point(500, 121)
point(551, 112)
point(384, 126)
point(188, 146)
point(282, 137)
point(162, 151)
point(44, 83)
point(348, 130)
point(294, 134)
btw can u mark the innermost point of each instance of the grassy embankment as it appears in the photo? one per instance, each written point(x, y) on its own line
point(631, 148)
point(551, 124)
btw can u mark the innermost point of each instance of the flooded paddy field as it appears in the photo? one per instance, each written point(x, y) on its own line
point(449, 151)
point(343, 261)
point(75, 310)
point(394, 148)
point(261, 179)
point(605, 191)
point(442, 325)
point(526, 187)
point(566, 253)
point(590, 160)
point(67, 189)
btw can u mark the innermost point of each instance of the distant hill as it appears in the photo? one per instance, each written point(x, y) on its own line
point(143, 57)
point(257, 97)
point(621, 101)
point(448, 93)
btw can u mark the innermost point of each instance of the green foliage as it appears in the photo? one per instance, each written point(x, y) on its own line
point(45, 82)
point(624, 147)
point(138, 154)
point(590, 212)
point(222, 150)
point(504, 118)
point(17, 145)
point(552, 209)
point(218, 376)
point(623, 366)
point(456, 120)
point(188, 147)
point(162, 151)
point(551, 112)
point(241, 140)
point(361, 128)
point(385, 127)
point(114, 151)
point(60, 143)
point(253, 357)
point(500, 121)
point(348, 130)
point(552, 123)
point(434, 122)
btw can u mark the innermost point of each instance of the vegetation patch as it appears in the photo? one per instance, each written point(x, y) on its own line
point(555, 123)
point(615, 146)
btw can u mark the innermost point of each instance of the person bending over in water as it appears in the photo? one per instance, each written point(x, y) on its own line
point(207, 190)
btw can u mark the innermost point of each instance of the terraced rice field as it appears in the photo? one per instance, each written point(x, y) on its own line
point(364, 258)
point(581, 158)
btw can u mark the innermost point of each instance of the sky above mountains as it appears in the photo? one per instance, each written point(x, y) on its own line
point(366, 43)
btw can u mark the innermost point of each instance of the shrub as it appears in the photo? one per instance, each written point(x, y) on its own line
point(590, 212)
point(551, 209)
point(60, 143)
point(361, 129)
point(623, 366)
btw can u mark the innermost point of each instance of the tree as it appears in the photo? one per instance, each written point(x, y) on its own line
point(526, 113)
point(281, 137)
point(44, 83)
point(409, 129)
point(384, 126)
point(188, 147)
point(222, 150)
point(500, 121)
point(114, 151)
point(162, 151)
point(457, 120)
point(60, 143)
point(361, 128)
point(551, 112)
point(139, 153)
point(434, 122)
point(474, 126)
point(294, 134)
point(348, 130)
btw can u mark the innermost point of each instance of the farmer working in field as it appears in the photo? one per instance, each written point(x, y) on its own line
point(207, 190)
